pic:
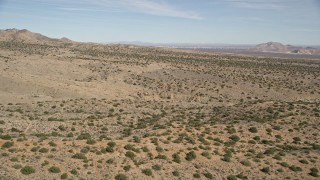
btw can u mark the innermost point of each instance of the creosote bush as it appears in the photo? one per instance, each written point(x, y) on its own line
point(54, 169)
point(191, 156)
point(147, 172)
point(27, 170)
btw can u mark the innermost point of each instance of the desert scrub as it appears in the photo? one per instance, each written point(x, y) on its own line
point(191, 156)
point(246, 163)
point(130, 154)
point(52, 144)
point(121, 177)
point(234, 138)
point(109, 149)
point(5, 137)
point(314, 172)
point(64, 176)
point(45, 163)
point(206, 154)
point(176, 158)
point(79, 156)
point(111, 144)
point(84, 136)
point(27, 170)
point(74, 172)
point(175, 173)
point(7, 144)
point(147, 172)
point(131, 147)
point(91, 141)
point(196, 175)
point(127, 168)
point(303, 161)
point(231, 177)
point(265, 169)
point(43, 150)
point(54, 169)
point(227, 156)
point(295, 168)
point(55, 119)
point(156, 167)
point(208, 175)
point(161, 156)
point(253, 130)
point(17, 166)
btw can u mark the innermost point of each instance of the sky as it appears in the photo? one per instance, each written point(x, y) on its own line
point(295, 22)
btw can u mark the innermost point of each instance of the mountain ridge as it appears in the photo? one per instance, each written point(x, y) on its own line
point(27, 36)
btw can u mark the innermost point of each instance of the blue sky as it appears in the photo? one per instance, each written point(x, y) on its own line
point(168, 21)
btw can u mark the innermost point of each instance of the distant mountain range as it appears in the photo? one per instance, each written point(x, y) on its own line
point(190, 45)
point(276, 47)
point(271, 47)
point(26, 36)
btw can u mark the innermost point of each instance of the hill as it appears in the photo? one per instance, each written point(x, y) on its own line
point(26, 36)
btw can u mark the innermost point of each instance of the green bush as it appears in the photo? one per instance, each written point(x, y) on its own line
point(284, 164)
point(208, 175)
point(5, 137)
point(277, 157)
point(231, 177)
point(17, 166)
point(265, 169)
point(246, 163)
point(111, 144)
point(176, 158)
point(191, 156)
point(175, 173)
point(156, 167)
point(27, 170)
point(91, 141)
point(234, 138)
point(127, 168)
point(196, 175)
point(161, 156)
point(303, 161)
point(295, 168)
point(253, 129)
point(79, 156)
point(64, 176)
point(270, 151)
point(74, 172)
point(227, 157)
point(43, 150)
point(109, 149)
point(84, 136)
point(55, 119)
point(54, 169)
point(7, 144)
point(314, 172)
point(147, 172)
point(52, 144)
point(120, 177)
point(206, 154)
point(130, 154)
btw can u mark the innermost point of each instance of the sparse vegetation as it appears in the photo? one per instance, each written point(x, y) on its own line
point(26, 170)
point(123, 112)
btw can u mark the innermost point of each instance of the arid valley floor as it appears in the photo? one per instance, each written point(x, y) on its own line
point(88, 111)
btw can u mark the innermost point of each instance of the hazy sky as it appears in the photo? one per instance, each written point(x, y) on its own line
point(165, 21)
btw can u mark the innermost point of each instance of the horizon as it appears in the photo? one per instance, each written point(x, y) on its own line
point(168, 44)
point(232, 22)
